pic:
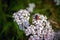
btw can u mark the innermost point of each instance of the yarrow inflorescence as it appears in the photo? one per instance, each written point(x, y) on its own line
point(40, 27)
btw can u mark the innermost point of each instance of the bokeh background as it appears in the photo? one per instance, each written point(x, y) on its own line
point(9, 30)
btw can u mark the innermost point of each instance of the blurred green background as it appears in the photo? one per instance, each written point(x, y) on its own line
point(9, 29)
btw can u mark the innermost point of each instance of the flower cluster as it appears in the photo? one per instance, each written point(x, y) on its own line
point(23, 15)
point(57, 2)
point(22, 18)
point(39, 30)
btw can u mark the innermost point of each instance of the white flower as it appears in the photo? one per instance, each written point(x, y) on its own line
point(27, 31)
point(57, 2)
point(27, 18)
point(25, 12)
point(21, 10)
point(30, 9)
point(19, 22)
point(26, 23)
point(33, 31)
point(41, 17)
point(31, 6)
point(21, 17)
point(31, 38)
point(35, 36)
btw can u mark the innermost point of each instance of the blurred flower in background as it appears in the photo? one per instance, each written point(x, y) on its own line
point(31, 7)
point(57, 2)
